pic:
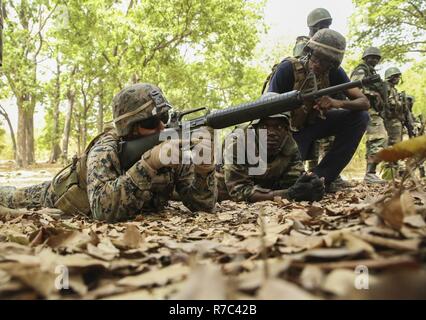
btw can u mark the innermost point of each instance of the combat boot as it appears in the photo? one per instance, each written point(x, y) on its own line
point(337, 185)
point(371, 177)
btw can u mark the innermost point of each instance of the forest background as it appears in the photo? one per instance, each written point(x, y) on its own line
point(64, 61)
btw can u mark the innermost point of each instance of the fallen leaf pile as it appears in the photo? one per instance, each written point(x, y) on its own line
point(352, 244)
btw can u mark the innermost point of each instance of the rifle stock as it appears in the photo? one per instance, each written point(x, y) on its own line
point(131, 151)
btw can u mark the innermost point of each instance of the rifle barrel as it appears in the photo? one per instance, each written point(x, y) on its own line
point(341, 87)
point(262, 108)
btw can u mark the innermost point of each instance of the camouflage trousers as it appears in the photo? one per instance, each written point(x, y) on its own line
point(394, 129)
point(377, 137)
point(319, 149)
point(35, 196)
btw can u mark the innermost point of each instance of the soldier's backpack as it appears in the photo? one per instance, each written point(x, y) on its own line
point(304, 81)
point(70, 185)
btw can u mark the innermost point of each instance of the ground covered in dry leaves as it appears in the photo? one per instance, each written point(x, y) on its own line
point(364, 237)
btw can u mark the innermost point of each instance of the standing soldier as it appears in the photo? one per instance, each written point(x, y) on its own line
point(376, 131)
point(318, 19)
point(394, 115)
point(394, 110)
point(418, 127)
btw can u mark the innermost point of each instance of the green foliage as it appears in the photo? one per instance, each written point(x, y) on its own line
point(2, 138)
point(198, 52)
point(398, 26)
point(415, 84)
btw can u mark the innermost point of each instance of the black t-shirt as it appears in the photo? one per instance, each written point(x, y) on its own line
point(283, 79)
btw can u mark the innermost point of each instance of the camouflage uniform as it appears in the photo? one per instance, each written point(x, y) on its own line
point(419, 127)
point(394, 116)
point(376, 131)
point(111, 194)
point(35, 196)
point(317, 19)
point(282, 172)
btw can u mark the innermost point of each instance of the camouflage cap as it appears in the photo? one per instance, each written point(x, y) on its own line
point(392, 71)
point(328, 43)
point(301, 42)
point(317, 15)
point(137, 102)
point(372, 51)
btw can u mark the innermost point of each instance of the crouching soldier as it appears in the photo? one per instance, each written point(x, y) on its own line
point(95, 184)
point(284, 176)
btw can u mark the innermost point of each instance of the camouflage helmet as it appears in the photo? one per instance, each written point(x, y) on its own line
point(392, 71)
point(372, 51)
point(301, 42)
point(317, 15)
point(285, 115)
point(137, 102)
point(411, 98)
point(328, 43)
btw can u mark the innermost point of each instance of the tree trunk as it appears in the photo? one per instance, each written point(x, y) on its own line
point(21, 159)
point(29, 127)
point(56, 149)
point(67, 126)
point(77, 120)
point(100, 118)
point(4, 114)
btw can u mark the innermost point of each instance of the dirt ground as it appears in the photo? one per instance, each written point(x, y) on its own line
point(11, 176)
point(361, 243)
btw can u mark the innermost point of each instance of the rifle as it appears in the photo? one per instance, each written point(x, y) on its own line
point(131, 151)
point(407, 117)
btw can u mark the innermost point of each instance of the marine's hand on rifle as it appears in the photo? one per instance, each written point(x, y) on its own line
point(309, 187)
point(166, 154)
point(326, 103)
point(203, 151)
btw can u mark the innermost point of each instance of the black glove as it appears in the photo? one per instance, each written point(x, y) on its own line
point(309, 187)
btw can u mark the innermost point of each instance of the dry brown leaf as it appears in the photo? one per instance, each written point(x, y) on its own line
point(415, 221)
point(254, 245)
point(397, 261)
point(298, 215)
point(296, 239)
point(224, 216)
point(394, 210)
point(205, 282)
point(105, 250)
point(341, 282)
point(402, 150)
point(315, 211)
point(148, 294)
point(277, 289)
point(162, 276)
point(331, 253)
point(17, 237)
point(42, 282)
point(132, 237)
point(311, 277)
point(410, 245)
point(70, 239)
